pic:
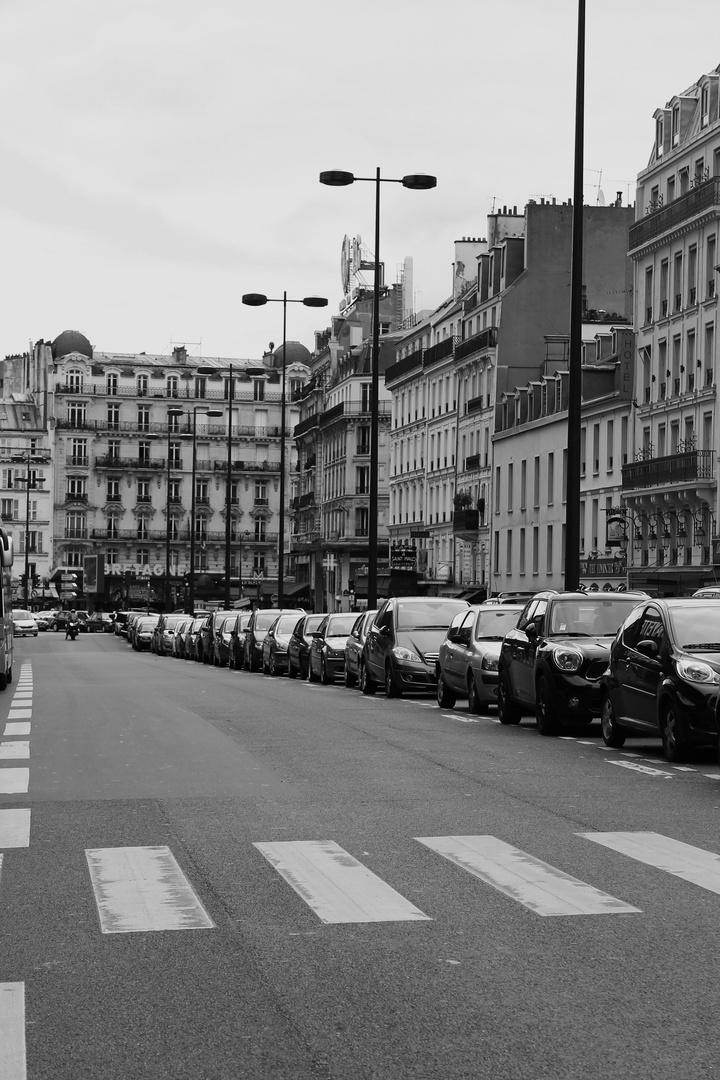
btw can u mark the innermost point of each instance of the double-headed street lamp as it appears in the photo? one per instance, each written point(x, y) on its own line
point(416, 182)
point(258, 300)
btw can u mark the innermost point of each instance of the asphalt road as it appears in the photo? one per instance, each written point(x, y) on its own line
point(228, 806)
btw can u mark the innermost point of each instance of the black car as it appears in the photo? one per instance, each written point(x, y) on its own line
point(260, 622)
point(236, 652)
point(664, 676)
point(403, 644)
point(299, 645)
point(552, 662)
point(326, 660)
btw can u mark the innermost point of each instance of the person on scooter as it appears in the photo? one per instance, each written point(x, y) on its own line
point(71, 622)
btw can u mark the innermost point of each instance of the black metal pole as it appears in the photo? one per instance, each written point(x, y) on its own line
point(228, 491)
point(572, 499)
point(374, 420)
point(191, 580)
point(281, 533)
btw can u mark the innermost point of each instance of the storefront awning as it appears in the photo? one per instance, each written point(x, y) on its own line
point(301, 589)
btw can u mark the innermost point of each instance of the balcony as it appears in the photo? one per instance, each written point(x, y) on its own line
point(308, 499)
point(700, 199)
point(466, 522)
point(111, 461)
point(307, 424)
point(681, 468)
point(438, 352)
point(486, 339)
point(413, 362)
point(472, 462)
point(475, 404)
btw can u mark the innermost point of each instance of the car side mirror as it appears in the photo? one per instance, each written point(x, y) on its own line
point(648, 648)
point(453, 636)
point(384, 630)
point(532, 631)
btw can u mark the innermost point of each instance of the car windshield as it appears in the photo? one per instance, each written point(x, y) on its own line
point(428, 615)
point(265, 619)
point(312, 623)
point(589, 616)
point(286, 624)
point(495, 622)
point(696, 626)
point(340, 625)
point(21, 615)
point(172, 621)
point(224, 619)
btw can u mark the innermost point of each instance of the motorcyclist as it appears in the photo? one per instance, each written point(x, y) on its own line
point(71, 621)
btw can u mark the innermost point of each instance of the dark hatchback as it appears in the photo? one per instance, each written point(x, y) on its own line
point(552, 662)
point(664, 676)
point(299, 645)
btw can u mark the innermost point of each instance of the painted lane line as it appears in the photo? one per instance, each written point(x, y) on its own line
point(14, 781)
point(13, 1065)
point(679, 768)
point(645, 769)
point(463, 718)
point(684, 861)
point(14, 831)
point(536, 885)
point(20, 714)
point(586, 742)
point(567, 738)
point(712, 775)
point(19, 749)
point(143, 888)
point(17, 729)
point(337, 887)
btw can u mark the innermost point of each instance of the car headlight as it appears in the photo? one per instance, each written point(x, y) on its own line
point(695, 671)
point(401, 653)
point(567, 659)
point(489, 663)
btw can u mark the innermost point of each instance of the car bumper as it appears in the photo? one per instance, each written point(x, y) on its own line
point(415, 678)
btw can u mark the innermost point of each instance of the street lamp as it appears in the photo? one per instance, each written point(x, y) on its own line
point(228, 479)
point(191, 583)
point(258, 300)
point(416, 182)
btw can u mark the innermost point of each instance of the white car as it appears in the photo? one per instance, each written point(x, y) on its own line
point(23, 623)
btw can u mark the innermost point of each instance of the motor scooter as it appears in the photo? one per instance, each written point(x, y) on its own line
point(72, 630)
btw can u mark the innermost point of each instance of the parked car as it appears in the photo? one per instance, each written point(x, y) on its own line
point(276, 641)
point(326, 660)
point(178, 640)
point(467, 666)
point(24, 624)
point(260, 622)
point(710, 592)
point(552, 662)
point(300, 642)
point(100, 622)
point(216, 638)
point(192, 633)
point(354, 646)
point(143, 632)
point(403, 643)
point(44, 619)
point(236, 657)
point(164, 635)
point(663, 678)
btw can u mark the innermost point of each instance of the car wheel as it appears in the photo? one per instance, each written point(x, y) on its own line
point(325, 676)
point(350, 679)
point(367, 683)
point(445, 698)
point(391, 688)
point(674, 744)
point(613, 735)
point(474, 703)
point(546, 723)
point(508, 712)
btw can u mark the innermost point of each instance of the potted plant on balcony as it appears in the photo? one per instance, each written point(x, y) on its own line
point(462, 500)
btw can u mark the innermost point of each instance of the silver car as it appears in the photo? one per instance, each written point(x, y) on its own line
point(467, 665)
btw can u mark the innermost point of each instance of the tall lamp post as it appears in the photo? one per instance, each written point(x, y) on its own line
point(191, 583)
point(258, 300)
point(228, 479)
point(416, 182)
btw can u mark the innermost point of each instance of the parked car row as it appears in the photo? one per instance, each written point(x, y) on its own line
point(643, 666)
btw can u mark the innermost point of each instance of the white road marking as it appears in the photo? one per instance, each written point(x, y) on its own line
point(337, 887)
point(14, 830)
point(645, 769)
point(20, 714)
point(17, 729)
point(464, 718)
point(143, 888)
point(679, 768)
point(567, 738)
point(689, 863)
point(536, 885)
point(13, 1064)
point(19, 749)
point(14, 781)
point(712, 775)
point(586, 742)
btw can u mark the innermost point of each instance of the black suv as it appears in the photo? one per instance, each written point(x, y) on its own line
point(552, 662)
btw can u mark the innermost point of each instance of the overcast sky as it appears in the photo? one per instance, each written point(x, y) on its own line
point(160, 157)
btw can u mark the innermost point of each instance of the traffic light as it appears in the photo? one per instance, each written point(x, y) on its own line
point(36, 581)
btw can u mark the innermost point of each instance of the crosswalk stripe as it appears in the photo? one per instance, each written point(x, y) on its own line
point(17, 729)
point(143, 888)
point(682, 860)
point(12, 1031)
point(14, 830)
point(536, 885)
point(337, 887)
point(14, 781)
point(18, 749)
point(20, 714)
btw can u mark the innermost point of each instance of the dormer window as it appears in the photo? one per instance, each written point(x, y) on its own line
point(659, 135)
point(704, 106)
point(675, 125)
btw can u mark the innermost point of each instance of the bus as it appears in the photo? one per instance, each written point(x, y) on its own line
point(6, 623)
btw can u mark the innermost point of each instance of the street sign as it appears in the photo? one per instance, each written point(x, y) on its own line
point(274, 598)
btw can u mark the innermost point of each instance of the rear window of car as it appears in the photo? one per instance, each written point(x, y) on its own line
point(340, 625)
point(425, 615)
point(312, 623)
